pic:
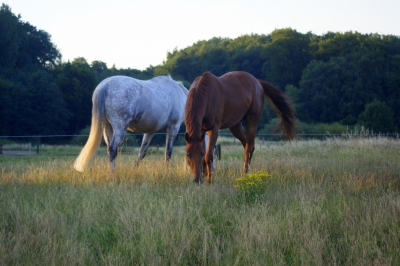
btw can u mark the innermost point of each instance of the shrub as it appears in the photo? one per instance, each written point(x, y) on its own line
point(251, 186)
point(378, 117)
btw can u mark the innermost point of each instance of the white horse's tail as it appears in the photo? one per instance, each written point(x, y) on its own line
point(98, 115)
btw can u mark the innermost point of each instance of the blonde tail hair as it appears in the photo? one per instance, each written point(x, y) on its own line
point(95, 130)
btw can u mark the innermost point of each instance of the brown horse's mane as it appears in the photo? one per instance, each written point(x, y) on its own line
point(195, 105)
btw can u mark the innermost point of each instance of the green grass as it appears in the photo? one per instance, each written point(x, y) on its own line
point(332, 202)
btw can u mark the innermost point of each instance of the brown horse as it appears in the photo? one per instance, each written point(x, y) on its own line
point(215, 103)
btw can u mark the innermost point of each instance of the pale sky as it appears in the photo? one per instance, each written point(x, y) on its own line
point(139, 33)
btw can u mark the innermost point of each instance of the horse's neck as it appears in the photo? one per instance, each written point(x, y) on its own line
point(196, 113)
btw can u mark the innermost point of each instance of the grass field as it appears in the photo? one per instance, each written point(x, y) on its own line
point(331, 202)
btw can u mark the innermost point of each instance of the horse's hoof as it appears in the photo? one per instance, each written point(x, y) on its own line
point(211, 181)
point(198, 182)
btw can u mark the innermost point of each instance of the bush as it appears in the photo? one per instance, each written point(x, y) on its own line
point(378, 117)
point(251, 186)
point(82, 137)
point(305, 128)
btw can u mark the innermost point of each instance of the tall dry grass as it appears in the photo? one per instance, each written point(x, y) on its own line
point(331, 202)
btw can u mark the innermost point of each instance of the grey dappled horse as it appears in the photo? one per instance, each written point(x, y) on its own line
point(122, 103)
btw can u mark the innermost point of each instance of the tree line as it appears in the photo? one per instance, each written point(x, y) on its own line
point(347, 78)
point(344, 78)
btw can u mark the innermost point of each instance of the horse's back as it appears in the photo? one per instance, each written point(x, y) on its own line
point(236, 86)
point(243, 88)
point(155, 90)
point(241, 82)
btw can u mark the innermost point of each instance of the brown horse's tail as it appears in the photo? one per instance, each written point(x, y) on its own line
point(283, 108)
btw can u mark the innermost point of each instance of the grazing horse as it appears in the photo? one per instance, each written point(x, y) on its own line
point(215, 103)
point(122, 103)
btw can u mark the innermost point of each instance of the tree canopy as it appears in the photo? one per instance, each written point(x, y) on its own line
point(348, 78)
point(31, 103)
point(333, 77)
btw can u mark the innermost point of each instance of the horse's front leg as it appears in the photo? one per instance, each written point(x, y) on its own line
point(147, 137)
point(205, 169)
point(209, 156)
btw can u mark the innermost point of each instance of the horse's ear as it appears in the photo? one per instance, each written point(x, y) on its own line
point(187, 138)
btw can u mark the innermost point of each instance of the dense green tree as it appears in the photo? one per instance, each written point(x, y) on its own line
point(392, 86)
point(134, 73)
point(21, 44)
point(77, 82)
point(191, 62)
point(30, 100)
point(286, 57)
point(320, 91)
point(44, 104)
point(338, 90)
point(341, 44)
point(37, 48)
point(7, 106)
point(31, 104)
point(100, 70)
point(333, 91)
point(10, 38)
point(378, 117)
point(246, 54)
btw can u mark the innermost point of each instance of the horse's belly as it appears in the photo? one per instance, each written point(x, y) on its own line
point(145, 127)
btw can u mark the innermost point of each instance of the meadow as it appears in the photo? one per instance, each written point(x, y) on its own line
point(321, 202)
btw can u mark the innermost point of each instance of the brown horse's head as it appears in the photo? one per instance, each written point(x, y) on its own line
point(195, 150)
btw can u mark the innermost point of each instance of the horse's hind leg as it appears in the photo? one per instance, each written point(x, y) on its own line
point(147, 137)
point(117, 139)
point(239, 133)
point(170, 138)
point(251, 131)
point(107, 133)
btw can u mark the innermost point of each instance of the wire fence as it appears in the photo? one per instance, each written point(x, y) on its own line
point(38, 144)
point(38, 138)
